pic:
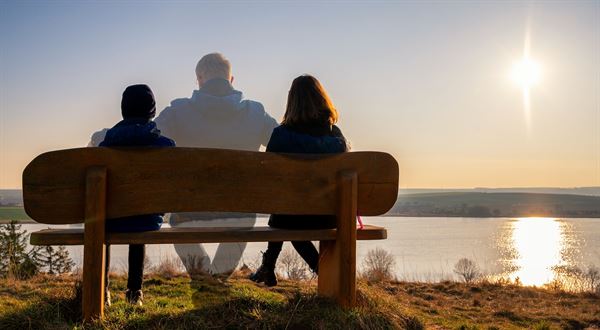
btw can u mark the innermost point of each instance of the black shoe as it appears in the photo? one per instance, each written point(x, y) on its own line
point(135, 297)
point(266, 272)
point(264, 275)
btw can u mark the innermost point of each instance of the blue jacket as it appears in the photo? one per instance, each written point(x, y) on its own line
point(135, 132)
point(310, 139)
point(307, 140)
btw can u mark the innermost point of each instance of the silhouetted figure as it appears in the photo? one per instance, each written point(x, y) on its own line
point(215, 116)
point(136, 129)
point(308, 126)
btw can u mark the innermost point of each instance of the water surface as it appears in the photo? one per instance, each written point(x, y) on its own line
point(426, 249)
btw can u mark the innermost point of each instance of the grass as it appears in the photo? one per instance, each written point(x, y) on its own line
point(451, 305)
point(204, 302)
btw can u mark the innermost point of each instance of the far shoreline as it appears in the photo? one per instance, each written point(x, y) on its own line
point(31, 222)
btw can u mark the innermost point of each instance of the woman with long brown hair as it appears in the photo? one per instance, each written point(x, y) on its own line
point(308, 126)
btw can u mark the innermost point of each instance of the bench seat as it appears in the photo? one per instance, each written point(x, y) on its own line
point(74, 236)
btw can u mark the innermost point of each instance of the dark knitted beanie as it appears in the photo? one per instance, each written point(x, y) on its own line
point(138, 102)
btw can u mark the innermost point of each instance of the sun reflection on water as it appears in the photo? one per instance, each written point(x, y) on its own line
point(538, 245)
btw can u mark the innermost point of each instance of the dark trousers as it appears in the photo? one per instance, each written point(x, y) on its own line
point(135, 276)
point(305, 249)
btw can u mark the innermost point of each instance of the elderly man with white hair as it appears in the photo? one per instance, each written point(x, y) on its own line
point(215, 116)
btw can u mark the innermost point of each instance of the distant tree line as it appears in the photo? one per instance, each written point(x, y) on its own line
point(17, 261)
point(10, 204)
point(483, 211)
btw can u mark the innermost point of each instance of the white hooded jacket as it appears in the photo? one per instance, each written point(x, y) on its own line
point(217, 116)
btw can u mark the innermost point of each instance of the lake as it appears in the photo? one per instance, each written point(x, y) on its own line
point(426, 249)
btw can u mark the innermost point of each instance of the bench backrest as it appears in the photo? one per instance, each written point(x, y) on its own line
point(161, 180)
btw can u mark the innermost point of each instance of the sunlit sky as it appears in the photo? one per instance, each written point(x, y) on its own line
point(429, 83)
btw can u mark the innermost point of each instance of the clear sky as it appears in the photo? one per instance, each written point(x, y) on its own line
point(425, 81)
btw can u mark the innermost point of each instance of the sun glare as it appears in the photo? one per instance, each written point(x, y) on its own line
point(526, 73)
point(538, 242)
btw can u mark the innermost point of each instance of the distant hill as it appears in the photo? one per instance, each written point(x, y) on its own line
point(586, 191)
point(478, 202)
point(496, 204)
point(11, 197)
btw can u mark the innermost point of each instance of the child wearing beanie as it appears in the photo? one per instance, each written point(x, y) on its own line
point(136, 129)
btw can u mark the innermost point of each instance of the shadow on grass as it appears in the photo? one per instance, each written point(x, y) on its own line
point(46, 310)
point(222, 304)
point(254, 310)
point(201, 303)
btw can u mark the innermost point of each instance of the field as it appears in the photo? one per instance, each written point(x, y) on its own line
point(178, 302)
point(13, 213)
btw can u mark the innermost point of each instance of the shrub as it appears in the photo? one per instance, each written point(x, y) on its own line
point(378, 265)
point(556, 285)
point(168, 267)
point(467, 269)
point(293, 266)
point(148, 266)
point(254, 263)
point(196, 265)
point(15, 260)
point(53, 260)
point(592, 278)
point(574, 278)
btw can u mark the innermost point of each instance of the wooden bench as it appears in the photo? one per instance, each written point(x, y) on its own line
point(88, 185)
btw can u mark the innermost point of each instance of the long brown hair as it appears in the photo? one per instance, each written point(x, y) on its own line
point(308, 103)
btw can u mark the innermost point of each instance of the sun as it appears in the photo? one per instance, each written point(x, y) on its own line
point(526, 73)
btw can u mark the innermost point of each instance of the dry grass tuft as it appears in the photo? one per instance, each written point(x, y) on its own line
point(169, 267)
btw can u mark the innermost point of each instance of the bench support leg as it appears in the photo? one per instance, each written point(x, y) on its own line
point(94, 247)
point(337, 259)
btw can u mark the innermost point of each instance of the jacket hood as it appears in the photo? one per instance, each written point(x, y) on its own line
point(132, 132)
point(217, 99)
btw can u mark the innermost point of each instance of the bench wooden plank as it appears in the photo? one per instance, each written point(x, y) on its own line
point(162, 180)
point(94, 248)
point(74, 236)
point(337, 258)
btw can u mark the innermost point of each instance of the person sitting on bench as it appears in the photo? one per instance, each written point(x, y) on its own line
point(308, 126)
point(136, 129)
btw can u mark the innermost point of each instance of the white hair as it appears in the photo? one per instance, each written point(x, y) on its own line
point(213, 65)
